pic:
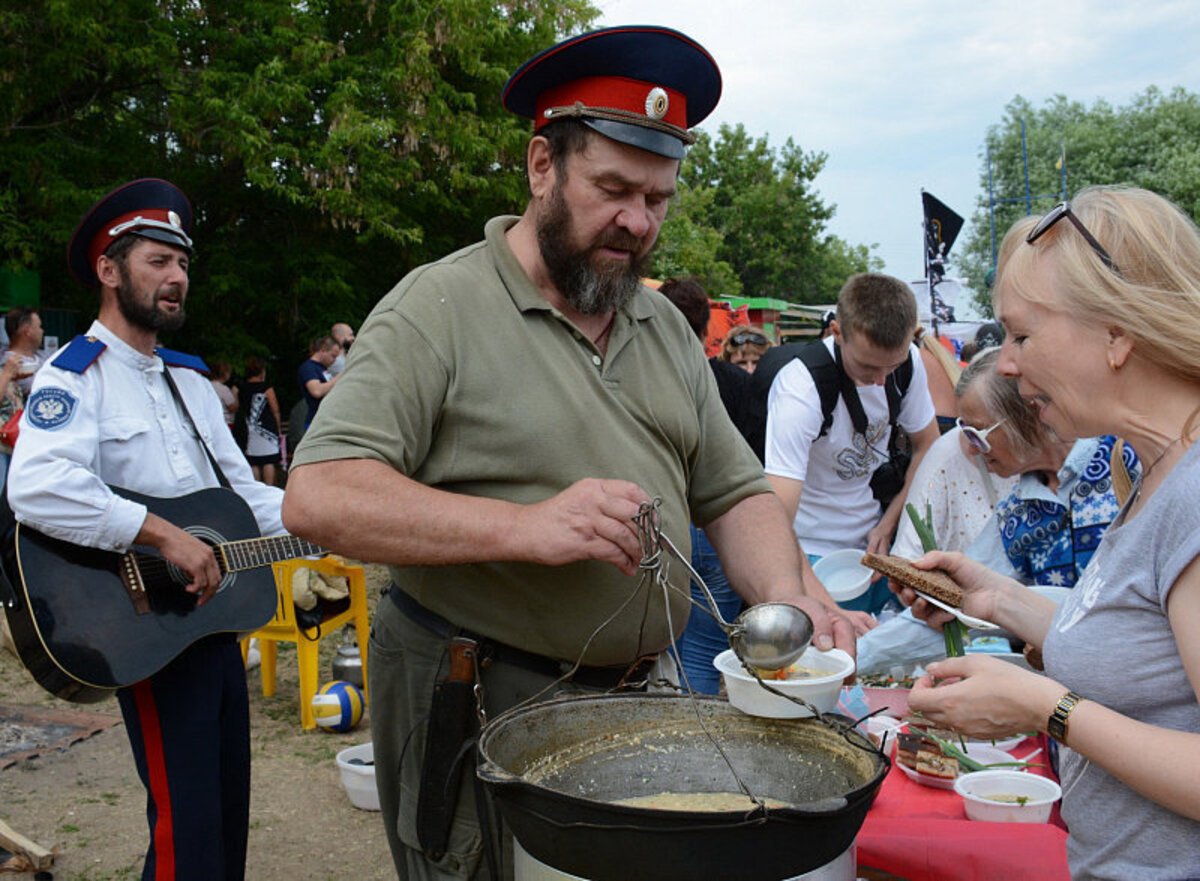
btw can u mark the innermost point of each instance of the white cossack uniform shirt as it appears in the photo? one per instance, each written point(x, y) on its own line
point(117, 423)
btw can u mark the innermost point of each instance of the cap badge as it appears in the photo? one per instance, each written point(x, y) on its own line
point(173, 219)
point(657, 103)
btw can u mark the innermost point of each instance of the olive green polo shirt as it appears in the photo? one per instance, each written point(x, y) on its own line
point(466, 379)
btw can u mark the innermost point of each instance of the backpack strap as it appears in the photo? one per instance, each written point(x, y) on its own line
point(831, 382)
point(896, 386)
point(772, 361)
point(828, 376)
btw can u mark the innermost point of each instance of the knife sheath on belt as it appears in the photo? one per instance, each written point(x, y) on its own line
point(451, 716)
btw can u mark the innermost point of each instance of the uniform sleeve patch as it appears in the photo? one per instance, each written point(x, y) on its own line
point(50, 408)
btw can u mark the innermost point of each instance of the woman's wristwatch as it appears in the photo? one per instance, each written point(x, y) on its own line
point(1058, 723)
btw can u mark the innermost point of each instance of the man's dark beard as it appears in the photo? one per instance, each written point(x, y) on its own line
point(140, 315)
point(591, 290)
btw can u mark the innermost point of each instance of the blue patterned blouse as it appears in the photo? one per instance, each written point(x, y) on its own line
point(1049, 537)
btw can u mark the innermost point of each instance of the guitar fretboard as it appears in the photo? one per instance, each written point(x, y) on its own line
point(252, 553)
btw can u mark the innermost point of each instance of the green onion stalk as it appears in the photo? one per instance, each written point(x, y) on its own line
point(954, 631)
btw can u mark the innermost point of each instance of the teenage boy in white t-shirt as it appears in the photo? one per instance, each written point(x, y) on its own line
point(824, 481)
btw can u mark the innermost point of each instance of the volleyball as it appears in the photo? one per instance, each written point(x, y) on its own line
point(337, 706)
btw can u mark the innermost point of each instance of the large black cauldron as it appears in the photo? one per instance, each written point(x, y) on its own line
point(556, 768)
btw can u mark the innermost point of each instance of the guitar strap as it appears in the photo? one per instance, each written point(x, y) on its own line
point(8, 528)
point(221, 478)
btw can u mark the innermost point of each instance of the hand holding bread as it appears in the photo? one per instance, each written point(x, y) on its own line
point(950, 577)
point(935, 582)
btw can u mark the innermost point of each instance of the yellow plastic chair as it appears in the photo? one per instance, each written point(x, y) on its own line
point(283, 628)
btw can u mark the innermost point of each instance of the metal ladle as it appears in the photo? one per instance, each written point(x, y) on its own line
point(769, 636)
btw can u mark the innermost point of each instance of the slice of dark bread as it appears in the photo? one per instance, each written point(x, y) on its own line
point(935, 582)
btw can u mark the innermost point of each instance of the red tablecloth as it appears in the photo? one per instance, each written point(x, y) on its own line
point(922, 834)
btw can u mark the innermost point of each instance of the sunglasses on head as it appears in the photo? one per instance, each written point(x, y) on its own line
point(977, 438)
point(741, 339)
point(1057, 213)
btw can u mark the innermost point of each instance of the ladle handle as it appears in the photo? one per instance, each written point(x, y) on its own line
point(730, 629)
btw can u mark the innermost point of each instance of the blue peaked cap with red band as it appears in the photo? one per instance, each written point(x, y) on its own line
point(642, 85)
point(148, 207)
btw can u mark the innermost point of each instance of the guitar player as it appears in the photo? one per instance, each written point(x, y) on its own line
point(115, 409)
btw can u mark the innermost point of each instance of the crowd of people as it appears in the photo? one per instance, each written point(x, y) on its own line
point(503, 490)
point(251, 404)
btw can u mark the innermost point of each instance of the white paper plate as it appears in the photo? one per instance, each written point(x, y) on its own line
point(973, 623)
point(987, 755)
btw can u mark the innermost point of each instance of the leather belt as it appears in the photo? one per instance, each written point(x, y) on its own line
point(493, 652)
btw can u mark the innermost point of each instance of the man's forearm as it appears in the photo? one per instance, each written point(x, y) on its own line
point(379, 515)
point(758, 549)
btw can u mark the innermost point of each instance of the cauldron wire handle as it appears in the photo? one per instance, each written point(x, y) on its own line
point(649, 523)
point(653, 542)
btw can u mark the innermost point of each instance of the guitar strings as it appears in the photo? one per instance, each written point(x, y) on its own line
point(155, 566)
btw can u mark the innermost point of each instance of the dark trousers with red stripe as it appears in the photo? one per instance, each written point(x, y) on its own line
point(189, 726)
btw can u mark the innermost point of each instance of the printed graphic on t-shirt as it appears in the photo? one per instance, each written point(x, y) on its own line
point(861, 459)
point(1084, 595)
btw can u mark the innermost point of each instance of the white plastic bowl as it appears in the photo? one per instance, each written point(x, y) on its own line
point(843, 574)
point(974, 788)
point(821, 691)
point(359, 780)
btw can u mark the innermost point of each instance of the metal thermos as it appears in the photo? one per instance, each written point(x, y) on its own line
point(347, 665)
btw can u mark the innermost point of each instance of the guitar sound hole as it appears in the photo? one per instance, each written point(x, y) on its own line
point(171, 597)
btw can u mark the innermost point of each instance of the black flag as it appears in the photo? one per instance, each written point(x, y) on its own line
point(941, 229)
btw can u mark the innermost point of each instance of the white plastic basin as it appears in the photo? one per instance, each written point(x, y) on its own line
point(359, 780)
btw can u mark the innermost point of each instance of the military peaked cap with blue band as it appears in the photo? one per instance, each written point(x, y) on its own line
point(149, 207)
point(641, 85)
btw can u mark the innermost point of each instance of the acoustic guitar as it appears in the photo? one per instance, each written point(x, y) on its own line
point(86, 621)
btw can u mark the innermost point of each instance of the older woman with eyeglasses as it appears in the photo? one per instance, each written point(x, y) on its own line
point(1103, 319)
point(1005, 491)
point(953, 482)
point(1067, 493)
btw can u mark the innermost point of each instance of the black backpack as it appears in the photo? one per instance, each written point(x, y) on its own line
point(832, 382)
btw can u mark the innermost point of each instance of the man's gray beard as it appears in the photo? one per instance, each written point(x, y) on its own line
point(593, 292)
point(589, 290)
point(139, 315)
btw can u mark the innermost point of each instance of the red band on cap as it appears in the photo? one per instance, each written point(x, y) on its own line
point(103, 239)
point(616, 93)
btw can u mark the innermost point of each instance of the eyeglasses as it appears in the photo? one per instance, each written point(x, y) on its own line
point(1057, 213)
point(978, 439)
point(741, 339)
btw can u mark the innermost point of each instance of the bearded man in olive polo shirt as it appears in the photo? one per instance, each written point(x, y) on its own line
point(509, 409)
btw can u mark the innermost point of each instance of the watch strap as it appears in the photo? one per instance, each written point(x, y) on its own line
point(1059, 722)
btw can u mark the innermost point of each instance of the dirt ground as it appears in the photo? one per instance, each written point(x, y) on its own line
point(87, 805)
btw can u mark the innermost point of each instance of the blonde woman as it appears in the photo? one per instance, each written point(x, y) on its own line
point(1100, 299)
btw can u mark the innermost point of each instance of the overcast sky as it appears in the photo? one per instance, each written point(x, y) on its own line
point(900, 93)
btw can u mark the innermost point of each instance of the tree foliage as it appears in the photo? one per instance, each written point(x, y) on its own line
point(752, 212)
point(327, 146)
point(1154, 143)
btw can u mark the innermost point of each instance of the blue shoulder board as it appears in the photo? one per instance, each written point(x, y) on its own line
point(181, 359)
point(79, 354)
